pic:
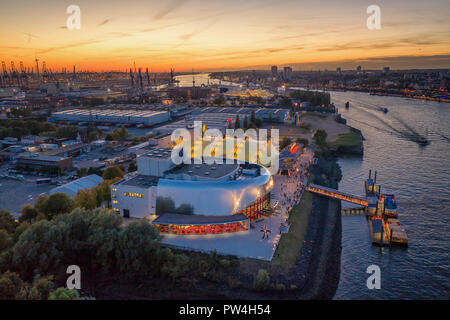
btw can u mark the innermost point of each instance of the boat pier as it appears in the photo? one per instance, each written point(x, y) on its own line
point(380, 210)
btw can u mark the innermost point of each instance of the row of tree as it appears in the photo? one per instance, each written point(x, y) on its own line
point(315, 98)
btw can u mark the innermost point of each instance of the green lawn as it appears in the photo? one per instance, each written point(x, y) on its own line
point(290, 244)
point(351, 139)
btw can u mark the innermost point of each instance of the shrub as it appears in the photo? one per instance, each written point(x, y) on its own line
point(280, 287)
point(64, 294)
point(261, 281)
point(233, 282)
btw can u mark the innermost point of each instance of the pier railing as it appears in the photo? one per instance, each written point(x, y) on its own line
point(336, 194)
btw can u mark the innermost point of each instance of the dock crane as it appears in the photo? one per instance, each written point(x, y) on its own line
point(37, 71)
point(148, 77)
point(24, 75)
point(44, 72)
point(14, 74)
point(5, 75)
point(132, 78)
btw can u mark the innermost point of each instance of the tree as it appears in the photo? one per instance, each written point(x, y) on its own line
point(138, 248)
point(68, 132)
point(261, 281)
point(112, 172)
point(220, 100)
point(285, 142)
point(237, 123)
point(303, 141)
point(7, 221)
point(41, 289)
point(132, 167)
point(64, 294)
point(253, 117)
point(286, 101)
point(123, 133)
point(320, 138)
point(58, 203)
point(10, 285)
point(245, 122)
point(28, 213)
point(82, 172)
point(4, 240)
point(86, 199)
point(86, 238)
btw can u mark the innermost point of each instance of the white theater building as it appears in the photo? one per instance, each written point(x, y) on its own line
point(193, 198)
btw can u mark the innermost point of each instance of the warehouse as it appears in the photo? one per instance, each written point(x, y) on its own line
point(147, 118)
point(72, 188)
point(50, 164)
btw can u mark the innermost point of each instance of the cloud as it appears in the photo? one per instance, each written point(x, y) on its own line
point(175, 4)
point(104, 22)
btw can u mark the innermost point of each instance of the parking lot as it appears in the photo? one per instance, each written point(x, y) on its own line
point(15, 194)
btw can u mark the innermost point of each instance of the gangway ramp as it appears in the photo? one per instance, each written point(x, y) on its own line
point(336, 194)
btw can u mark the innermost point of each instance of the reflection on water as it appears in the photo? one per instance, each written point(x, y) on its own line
point(419, 176)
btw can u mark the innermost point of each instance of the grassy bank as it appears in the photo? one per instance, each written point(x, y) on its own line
point(291, 243)
point(347, 142)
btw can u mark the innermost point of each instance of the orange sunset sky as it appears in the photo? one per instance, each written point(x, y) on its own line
point(219, 35)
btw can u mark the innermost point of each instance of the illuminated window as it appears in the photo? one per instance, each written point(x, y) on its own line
point(114, 189)
point(115, 201)
point(133, 194)
point(114, 195)
point(115, 209)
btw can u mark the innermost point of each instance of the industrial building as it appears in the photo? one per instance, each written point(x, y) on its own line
point(52, 164)
point(193, 198)
point(147, 118)
point(219, 117)
point(72, 188)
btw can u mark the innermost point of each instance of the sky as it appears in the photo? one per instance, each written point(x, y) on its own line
point(208, 35)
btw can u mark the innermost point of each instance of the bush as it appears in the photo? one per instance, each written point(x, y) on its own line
point(10, 285)
point(64, 294)
point(233, 282)
point(261, 281)
point(285, 142)
point(112, 173)
point(303, 141)
point(305, 125)
point(280, 287)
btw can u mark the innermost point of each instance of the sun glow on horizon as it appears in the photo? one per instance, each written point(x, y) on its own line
point(192, 34)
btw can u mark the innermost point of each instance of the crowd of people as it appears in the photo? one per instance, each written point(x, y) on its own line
point(289, 188)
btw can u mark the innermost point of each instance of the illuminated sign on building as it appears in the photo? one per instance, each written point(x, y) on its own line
point(133, 194)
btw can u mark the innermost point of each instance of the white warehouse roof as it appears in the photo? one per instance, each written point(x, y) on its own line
point(72, 188)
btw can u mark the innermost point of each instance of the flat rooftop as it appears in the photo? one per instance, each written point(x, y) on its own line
point(139, 181)
point(159, 153)
point(213, 171)
point(109, 113)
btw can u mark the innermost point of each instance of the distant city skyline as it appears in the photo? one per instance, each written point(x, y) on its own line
point(236, 35)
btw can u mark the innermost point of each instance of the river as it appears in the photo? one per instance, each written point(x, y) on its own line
point(419, 176)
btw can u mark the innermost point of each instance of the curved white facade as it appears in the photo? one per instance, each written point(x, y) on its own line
point(216, 197)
